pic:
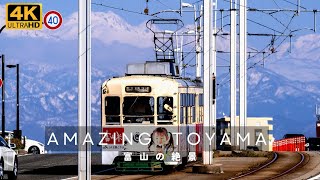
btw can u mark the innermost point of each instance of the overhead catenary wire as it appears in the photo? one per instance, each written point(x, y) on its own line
point(125, 10)
point(274, 10)
point(197, 2)
point(268, 12)
point(295, 4)
point(274, 1)
point(263, 25)
point(290, 21)
point(164, 4)
point(263, 50)
point(275, 17)
point(274, 39)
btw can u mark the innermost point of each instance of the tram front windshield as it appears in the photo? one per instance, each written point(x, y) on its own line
point(138, 109)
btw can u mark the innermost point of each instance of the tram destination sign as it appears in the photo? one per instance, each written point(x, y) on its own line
point(138, 89)
point(24, 16)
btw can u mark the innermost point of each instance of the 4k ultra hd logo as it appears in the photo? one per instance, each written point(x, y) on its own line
point(24, 16)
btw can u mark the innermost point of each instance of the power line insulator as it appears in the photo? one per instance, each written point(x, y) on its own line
point(273, 50)
point(146, 11)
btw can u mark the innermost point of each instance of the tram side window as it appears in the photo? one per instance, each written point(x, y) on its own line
point(183, 108)
point(194, 114)
point(165, 108)
point(112, 109)
point(181, 115)
point(182, 104)
point(201, 107)
point(200, 99)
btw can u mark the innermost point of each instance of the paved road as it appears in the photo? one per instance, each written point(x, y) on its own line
point(61, 166)
point(53, 166)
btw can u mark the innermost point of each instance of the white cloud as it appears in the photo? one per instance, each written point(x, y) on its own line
point(302, 63)
point(304, 48)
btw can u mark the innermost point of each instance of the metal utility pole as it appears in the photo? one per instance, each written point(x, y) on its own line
point(3, 100)
point(17, 133)
point(243, 69)
point(201, 40)
point(318, 121)
point(84, 94)
point(209, 48)
point(213, 50)
point(233, 67)
point(197, 30)
point(181, 68)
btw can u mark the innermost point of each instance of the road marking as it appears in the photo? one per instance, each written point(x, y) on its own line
point(70, 178)
point(104, 171)
point(21, 155)
point(316, 177)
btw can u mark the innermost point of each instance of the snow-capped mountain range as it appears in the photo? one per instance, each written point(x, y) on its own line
point(290, 103)
point(48, 97)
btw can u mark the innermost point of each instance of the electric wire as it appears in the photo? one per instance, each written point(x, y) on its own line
point(258, 52)
point(164, 4)
point(263, 25)
point(294, 4)
point(279, 7)
point(126, 10)
point(197, 2)
point(263, 50)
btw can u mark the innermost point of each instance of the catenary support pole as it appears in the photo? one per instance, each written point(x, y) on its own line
point(197, 41)
point(208, 79)
point(18, 132)
point(3, 98)
point(84, 96)
point(181, 67)
point(201, 40)
point(213, 49)
point(233, 71)
point(243, 69)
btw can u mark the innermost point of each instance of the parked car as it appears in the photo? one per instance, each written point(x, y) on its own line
point(34, 147)
point(30, 146)
point(8, 160)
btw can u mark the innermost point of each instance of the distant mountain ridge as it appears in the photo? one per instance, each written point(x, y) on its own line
point(49, 95)
point(290, 103)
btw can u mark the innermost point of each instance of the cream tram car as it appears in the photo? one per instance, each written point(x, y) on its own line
point(153, 106)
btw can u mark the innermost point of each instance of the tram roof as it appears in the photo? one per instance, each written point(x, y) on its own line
point(155, 79)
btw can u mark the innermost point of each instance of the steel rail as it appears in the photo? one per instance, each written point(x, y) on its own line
point(289, 170)
point(275, 157)
point(269, 163)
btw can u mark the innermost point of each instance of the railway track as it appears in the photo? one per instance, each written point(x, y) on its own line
point(282, 164)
